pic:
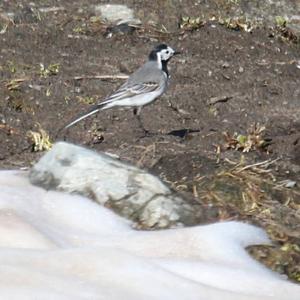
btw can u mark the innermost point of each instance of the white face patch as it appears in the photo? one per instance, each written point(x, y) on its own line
point(166, 54)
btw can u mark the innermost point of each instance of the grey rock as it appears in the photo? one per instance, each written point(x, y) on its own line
point(116, 14)
point(129, 191)
point(267, 11)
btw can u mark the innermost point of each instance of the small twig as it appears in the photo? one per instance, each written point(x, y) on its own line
point(231, 162)
point(51, 9)
point(215, 100)
point(195, 191)
point(17, 80)
point(223, 98)
point(266, 163)
point(145, 152)
point(101, 77)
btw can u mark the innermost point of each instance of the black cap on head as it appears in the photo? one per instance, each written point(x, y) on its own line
point(152, 55)
point(160, 47)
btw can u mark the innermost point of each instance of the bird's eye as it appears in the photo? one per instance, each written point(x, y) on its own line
point(167, 52)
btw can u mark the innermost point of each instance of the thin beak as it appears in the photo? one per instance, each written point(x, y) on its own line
point(177, 52)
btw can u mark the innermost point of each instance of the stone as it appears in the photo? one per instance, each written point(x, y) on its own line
point(116, 14)
point(129, 191)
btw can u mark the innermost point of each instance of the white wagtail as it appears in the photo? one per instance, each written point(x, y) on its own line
point(144, 86)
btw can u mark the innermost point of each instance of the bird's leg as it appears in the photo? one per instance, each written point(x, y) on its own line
point(137, 113)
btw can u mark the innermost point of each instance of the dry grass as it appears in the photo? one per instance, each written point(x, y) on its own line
point(40, 140)
point(253, 193)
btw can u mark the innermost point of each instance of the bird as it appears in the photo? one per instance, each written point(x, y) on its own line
point(143, 87)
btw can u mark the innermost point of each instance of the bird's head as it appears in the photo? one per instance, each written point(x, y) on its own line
point(162, 53)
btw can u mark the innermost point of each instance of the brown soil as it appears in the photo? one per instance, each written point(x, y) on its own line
point(225, 81)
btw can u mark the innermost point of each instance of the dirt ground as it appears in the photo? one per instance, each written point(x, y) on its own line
point(230, 91)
